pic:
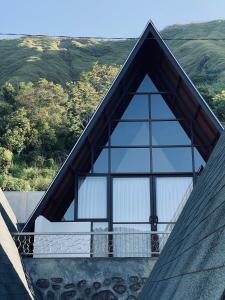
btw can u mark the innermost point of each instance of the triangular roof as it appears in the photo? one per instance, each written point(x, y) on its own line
point(150, 55)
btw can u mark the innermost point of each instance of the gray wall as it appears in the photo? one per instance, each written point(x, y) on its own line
point(23, 203)
point(89, 278)
point(13, 282)
point(192, 263)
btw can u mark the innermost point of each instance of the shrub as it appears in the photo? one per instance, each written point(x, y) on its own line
point(9, 183)
point(40, 183)
point(5, 160)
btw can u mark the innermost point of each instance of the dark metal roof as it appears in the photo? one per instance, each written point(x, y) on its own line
point(149, 46)
point(192, 263)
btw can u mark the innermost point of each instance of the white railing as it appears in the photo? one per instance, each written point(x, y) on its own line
point(90, 244)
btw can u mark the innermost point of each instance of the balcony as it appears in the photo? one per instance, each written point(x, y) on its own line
point(90, 244)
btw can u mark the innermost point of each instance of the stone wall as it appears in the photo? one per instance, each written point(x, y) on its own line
point(89, 278)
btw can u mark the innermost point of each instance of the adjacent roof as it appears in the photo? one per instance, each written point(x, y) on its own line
point(13, 282)
point(192, 264)
point(150, 55)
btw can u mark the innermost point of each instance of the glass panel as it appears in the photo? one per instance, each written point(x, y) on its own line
point(171, 195)
point(69, 214)
point(172, 160)
point(130, 160)
point(137, 108)
point(169, 133)
point(159, 108)
point(100, 242)
point(131, 199)
point(134, 240)
point(101, 163)
point(130, 134)
point(92, 197)
point(147, 86)
point(199, 161)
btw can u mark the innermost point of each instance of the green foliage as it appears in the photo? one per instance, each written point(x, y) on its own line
point(219, 106)
point(9, 183)
point(86, 94)
point(58, 60)
point(17, 130)
point(41, 119)
point(44, 121)
point(5, 160)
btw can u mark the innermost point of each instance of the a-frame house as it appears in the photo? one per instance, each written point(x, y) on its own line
point(141, 150)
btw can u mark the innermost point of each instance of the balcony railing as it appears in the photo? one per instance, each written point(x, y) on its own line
point(91, 244)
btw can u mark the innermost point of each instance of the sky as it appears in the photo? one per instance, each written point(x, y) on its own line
point(102, 18)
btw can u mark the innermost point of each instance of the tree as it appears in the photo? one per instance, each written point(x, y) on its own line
point(86, 94)
point(17, 131)
point(5, 160)
point(219, 106)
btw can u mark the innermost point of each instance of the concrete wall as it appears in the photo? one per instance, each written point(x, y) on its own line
point(23, 203)
point(13, 282)
point(89, 278)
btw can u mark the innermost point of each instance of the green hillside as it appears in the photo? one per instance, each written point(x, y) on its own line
point(61, 60)
point(203, 60)
point(58, 60)
point(50, 87)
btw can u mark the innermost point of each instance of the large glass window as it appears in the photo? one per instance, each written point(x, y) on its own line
point(101, 163)
point(92, 197)
point(159, 108)
point(130, 160)
point(199, 161)
point(130, 134)
point(100, 244)
point(172, 160)
point(69, 214)
point(170, 191)
point(131, 199)
point(169, 133)
point(136, 243)
point(147, 86)
point(137, 108)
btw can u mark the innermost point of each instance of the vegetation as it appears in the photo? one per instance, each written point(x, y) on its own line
point(40, 123)
point(50, 87)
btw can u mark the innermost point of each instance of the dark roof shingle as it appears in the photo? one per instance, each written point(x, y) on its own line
point(192, 264)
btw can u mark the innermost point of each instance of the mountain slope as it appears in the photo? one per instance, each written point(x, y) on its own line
point(61, 60)
point(58, 60)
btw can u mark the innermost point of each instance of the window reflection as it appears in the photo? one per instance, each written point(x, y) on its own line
point(130, 134)
point(69, 214)
point(130, 160)
point(100, 242)
point(169, 133)
point(136, 243)
point(172, 160)
point(137, 108)
point(159, 108)
point(199, 161)
point(101, 163)
point(147, 86)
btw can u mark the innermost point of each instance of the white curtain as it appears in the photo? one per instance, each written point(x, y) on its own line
point(131, 199)
point(169, 193)
point(92, 197)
